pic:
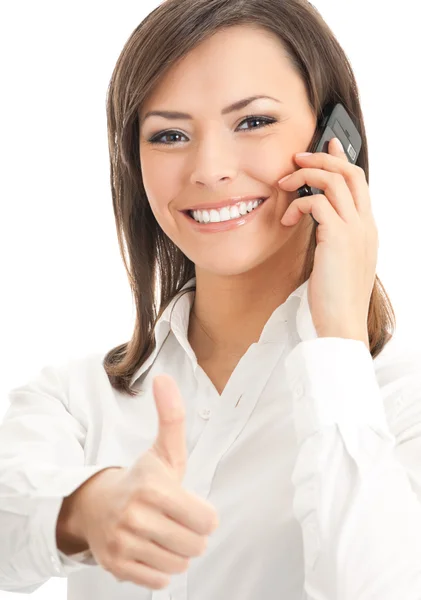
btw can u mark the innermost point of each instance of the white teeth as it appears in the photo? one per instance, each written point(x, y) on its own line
point(225, 214)
point(215, 217)
point(243, 208)
point(234, 212)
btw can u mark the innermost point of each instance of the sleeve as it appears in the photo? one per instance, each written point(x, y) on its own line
point(357, 485)
point(41, 462)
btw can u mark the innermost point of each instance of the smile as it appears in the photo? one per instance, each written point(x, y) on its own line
point(225, 219)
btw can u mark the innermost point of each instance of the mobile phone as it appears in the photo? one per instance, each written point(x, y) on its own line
point(335, 122)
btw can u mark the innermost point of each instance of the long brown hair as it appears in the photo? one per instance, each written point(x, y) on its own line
point(166, 35)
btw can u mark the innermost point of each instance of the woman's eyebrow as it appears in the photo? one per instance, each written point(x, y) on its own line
point(167, 114)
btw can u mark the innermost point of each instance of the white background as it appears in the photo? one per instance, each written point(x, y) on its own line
point(65, 291)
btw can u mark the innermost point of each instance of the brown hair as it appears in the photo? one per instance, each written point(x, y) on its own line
point(166, 35)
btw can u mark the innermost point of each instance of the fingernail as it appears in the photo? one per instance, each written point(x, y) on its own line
point(303, 153)
point(338, 144)
point(284, 178)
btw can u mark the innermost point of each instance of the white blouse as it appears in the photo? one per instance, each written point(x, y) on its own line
point(311, 457)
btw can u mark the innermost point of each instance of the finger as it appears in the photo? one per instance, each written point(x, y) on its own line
point(317, 205)
point(156, 556)
point(171, 535)
point(170, 443)
point(336, 148)
point(189, 510)
point(141, 574)
point(177, 503)
point(333, 185)
point(353, 175)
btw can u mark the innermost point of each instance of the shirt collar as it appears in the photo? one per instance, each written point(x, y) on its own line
point(176, 318)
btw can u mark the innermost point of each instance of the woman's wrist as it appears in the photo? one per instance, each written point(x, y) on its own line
point(71, 528)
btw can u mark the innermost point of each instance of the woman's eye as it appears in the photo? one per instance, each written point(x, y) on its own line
point(265, 122)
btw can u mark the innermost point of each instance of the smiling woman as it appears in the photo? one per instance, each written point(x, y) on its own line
point(243, 407)
point(231, 91)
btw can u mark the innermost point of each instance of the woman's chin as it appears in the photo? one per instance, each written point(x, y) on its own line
point(234, 261)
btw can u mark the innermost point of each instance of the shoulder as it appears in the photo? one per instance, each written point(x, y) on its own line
point(64, 379)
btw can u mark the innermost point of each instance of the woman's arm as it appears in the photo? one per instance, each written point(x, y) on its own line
point(41, 463)
point(357, 479)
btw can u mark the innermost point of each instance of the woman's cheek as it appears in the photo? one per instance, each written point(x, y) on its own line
point(157, 192)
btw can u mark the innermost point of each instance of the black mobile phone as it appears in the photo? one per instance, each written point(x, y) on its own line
point(335, 122)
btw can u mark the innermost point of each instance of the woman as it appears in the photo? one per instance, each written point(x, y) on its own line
point(270, 458)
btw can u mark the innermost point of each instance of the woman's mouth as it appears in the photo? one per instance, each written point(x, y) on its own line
point(226, 218)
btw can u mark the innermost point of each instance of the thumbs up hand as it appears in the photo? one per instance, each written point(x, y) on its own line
point(140, 523)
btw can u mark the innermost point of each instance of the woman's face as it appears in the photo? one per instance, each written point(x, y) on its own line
point(215, 156)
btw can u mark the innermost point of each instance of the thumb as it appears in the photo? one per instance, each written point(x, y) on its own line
point(170, 444)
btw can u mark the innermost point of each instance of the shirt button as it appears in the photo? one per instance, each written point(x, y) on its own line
point(204, 413)
point(298, 390)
